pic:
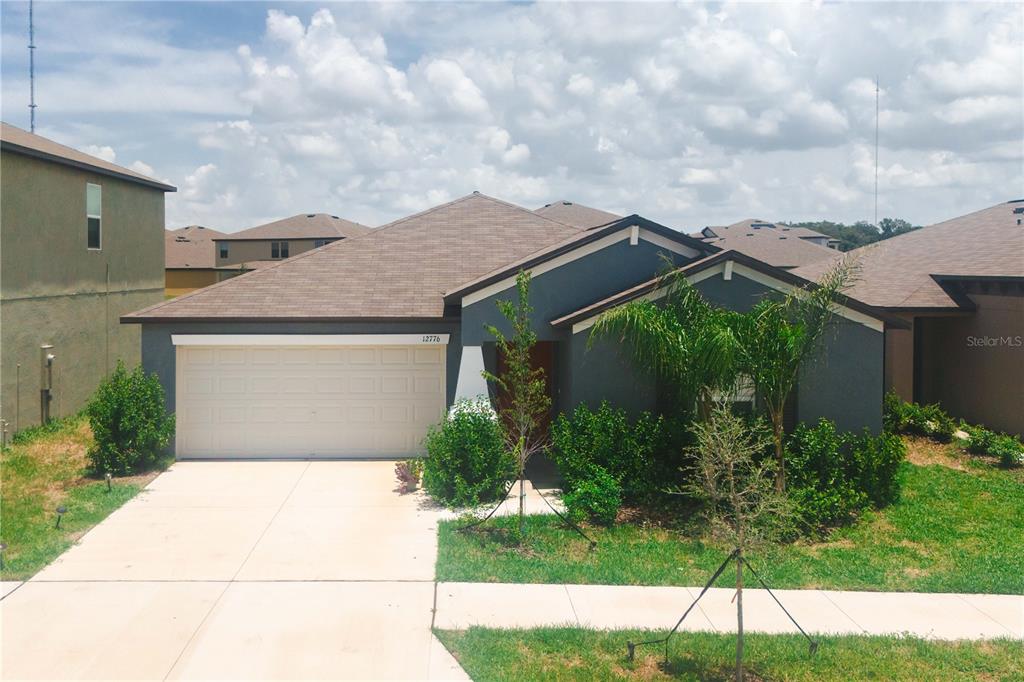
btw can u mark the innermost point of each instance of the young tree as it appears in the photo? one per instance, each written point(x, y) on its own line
point(685, 341)
point(778, 336)
point(526, 402)
point(742, 508)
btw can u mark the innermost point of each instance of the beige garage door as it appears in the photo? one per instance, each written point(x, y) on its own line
point(307, 401)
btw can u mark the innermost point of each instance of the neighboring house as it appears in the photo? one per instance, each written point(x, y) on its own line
point(576, 215)
point(190, 261)
point(960, 286)
point(355, 349)
point(779, 245)
point(81, 243)
point(283, 239)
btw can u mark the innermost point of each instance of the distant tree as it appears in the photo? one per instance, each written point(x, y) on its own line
point(526, 401)
point(892, 227)
point(861, 233)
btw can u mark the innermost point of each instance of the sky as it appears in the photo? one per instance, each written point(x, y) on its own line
point(688, 114)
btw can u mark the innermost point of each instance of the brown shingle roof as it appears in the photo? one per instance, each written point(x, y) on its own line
point(575, 214)
point(23, 142)
point(897, 273)
point(302, 226)
point(780, 246)
point(190, 247)
point(400, 270)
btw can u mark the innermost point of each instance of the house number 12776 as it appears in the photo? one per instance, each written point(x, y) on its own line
point(431, 338)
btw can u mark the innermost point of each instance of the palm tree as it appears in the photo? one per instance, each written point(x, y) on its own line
point(687, 343)
point(778, 335)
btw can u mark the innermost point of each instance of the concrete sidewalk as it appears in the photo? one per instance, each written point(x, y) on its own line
point(612, 607)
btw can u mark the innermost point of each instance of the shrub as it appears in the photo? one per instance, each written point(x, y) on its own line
point(979, 439)
point(875, 465)
point(467, 463)
point(820, 485)
point(408, 473)
point(923, 420)
point(643, 456)
point(595, 497)
point(130, 425)
point(1008, 449)
point(834, 476)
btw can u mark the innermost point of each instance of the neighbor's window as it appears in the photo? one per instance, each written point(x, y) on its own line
point(278, 249)
point(93, 215)
point(223, 248)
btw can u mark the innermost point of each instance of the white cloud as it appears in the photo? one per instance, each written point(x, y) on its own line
point(580, 85)
point(454, 87)
point(689, 114)
point(105, 152)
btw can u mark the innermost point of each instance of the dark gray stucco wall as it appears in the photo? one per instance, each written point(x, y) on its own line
point(605, 371)
point(158, 353)
point(843, 383)
point(569, 288)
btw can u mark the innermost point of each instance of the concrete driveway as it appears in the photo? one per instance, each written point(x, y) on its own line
point(240, 570)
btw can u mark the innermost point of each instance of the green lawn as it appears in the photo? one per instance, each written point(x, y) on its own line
point(952, 531)
point(573, 654)
point(43, 470)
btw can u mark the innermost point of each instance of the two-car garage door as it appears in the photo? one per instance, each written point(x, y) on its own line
point(330, 400)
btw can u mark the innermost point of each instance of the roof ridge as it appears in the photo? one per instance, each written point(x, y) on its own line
point(124, 169)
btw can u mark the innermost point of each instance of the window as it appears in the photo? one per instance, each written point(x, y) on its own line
point(93, 216)
point(222, 248)
point(322, 242)
point(278, 249)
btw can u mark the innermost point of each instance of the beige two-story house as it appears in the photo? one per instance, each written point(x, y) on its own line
point(81, 243)
point(283, 239)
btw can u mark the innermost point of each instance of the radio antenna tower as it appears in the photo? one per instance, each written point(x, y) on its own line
point(876, 151)
point(31, 69)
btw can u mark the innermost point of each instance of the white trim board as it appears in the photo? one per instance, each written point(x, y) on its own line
point(309, 339)
point(624, 234)
point(729, 268)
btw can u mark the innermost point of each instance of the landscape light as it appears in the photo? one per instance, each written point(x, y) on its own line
point(60, 513)
point(108, 481)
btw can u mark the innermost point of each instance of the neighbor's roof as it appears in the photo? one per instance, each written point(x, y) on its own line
point(692, 268)
point(190, 247)
point(575, 214)
point(901, 272)
point(302, 226)
point(397, 271)
point(20, 141)
point(778, 245)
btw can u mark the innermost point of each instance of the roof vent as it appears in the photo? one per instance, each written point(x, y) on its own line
point(311, 215)
point(760, 225)
point(1019, 210)
point(336, 217)
point(566, 203)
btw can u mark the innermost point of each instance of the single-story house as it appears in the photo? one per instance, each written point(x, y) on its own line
point(282, 239)
point(357, 348)
point(776, 244)
point(959, 286)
